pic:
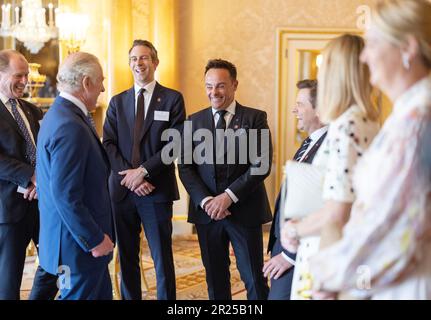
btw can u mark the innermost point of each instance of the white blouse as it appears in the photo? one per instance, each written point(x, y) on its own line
point(385, 251)
point(348, 138)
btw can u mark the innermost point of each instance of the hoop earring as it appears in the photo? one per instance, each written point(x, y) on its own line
point(406, 61)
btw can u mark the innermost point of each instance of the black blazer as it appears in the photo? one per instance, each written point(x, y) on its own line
point(15, 170)
point(253, 207)
point(276, 233)
point(118, 141)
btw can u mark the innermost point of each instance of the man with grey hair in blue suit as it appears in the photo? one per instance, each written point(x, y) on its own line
point(76, 234)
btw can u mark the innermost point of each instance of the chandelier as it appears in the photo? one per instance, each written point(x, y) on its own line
point(31, 29)
point(72, 29)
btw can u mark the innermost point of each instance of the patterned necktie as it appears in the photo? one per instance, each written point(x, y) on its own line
point(139, 124)
point(302, 149)
point(30, 148)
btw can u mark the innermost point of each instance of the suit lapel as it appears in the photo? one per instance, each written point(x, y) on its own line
point(208, 123)
point(156, 99)
point(129, 105)
point(235, 124)
point(311, 153)
point(30, 118)
point(6, 115)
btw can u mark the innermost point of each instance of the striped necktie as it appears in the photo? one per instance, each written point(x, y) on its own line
point(30, 148)
point(302, 149)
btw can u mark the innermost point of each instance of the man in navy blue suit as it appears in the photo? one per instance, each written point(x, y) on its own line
point(228, 201)
point(19, 215)
point(76, 233)
point(142, 185)
point(280, 267)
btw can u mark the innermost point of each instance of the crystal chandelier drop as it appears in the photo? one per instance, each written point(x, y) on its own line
point(31, 29)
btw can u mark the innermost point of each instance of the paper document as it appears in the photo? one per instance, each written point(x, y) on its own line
point(304, 187)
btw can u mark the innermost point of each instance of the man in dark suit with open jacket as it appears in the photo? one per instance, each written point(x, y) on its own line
point(143, 187)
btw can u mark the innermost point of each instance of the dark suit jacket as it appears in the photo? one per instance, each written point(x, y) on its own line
point(118, 141)
point(15, 170)
point(253, 208)
point(72, 181)
point(275, 233)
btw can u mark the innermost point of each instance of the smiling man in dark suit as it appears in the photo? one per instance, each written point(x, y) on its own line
point(228, 202)
point(142, 186)
point(19, 215)
point(280, 267)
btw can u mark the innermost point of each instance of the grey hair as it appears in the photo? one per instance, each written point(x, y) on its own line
point(73, 70)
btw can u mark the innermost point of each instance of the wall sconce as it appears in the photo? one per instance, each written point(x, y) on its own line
point(72, 29)
point(32, 30)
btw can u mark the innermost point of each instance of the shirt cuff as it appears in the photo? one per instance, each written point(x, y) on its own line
point(205, 200)
point(232, 195)
point(288, 259)
point(144, 171)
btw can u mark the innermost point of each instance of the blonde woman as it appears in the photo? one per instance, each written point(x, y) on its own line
point(385, 251)
point(344, 101)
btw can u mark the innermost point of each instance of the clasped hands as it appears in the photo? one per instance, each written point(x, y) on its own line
point(217, 207)
point(135, 182)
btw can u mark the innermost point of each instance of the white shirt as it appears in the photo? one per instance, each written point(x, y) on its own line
point(8, 106)
point(148, 94)
point(228, 117)
point(315, 136)
point(75, 101)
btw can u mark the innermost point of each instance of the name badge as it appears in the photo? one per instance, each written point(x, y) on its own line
point(161, 115)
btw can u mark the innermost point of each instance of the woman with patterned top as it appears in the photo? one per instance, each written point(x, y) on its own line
point(344, 101)
point(385, 251)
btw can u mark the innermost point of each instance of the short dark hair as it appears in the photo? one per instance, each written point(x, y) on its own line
point(147, 44)
point(312, 85)
point(222, 64)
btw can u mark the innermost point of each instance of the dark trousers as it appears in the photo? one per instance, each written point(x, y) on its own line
point(247, 243)
point(14, 240)
point(281, 287)
point(44, 285)
point(129, 215)
point(88, 285)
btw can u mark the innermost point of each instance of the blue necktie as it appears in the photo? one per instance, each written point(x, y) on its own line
point(30, 148)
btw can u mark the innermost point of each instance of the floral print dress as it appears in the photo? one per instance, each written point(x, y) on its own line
point(385, 252)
